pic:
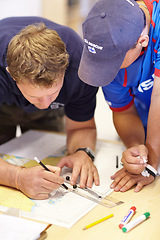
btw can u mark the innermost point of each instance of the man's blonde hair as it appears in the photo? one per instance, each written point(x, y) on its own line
point(37, 55)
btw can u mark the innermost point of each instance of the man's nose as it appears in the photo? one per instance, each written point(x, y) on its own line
point(45, 101)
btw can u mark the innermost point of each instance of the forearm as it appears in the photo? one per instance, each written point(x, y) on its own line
point(8, 174)
point(129, 128)
point(153, 127)
point(82, 136)
point(153, 143)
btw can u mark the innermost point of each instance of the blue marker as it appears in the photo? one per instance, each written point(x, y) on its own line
point(126, 218)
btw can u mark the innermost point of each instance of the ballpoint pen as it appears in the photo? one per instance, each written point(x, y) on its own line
point(37, 160)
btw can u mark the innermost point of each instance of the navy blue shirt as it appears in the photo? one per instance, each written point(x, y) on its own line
point(78, 98)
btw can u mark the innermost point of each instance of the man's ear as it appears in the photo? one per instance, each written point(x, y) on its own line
point(9, 72)
point(7, 69)
point(143, 40)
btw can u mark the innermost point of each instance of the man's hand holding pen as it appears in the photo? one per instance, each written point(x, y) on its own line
point(37, 183)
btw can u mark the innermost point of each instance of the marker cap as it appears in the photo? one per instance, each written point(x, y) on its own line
point(147, 214)
point(133, 208)
point(124, 229)
point(121, 225)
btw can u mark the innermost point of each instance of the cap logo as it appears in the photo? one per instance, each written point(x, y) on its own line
point(130, 2)
point(92, 47)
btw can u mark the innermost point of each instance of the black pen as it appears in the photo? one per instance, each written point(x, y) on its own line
point(117, 162)
point(37, 160)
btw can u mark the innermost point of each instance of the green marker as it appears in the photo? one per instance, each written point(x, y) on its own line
point(135, 222)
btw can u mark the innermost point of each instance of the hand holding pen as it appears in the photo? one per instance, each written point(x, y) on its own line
point(37, 183)
point(37, 160)
point(134, 159)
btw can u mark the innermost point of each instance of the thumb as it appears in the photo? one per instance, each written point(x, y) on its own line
point(54, 169)
point(143, 153)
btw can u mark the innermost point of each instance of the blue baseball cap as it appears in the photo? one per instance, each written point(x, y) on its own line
point(111, 28)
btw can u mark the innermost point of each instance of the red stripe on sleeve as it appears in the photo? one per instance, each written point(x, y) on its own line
point(125, 78)
point(120, 109)
point(157, 72)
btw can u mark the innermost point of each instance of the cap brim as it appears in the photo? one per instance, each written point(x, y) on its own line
point(96, 72)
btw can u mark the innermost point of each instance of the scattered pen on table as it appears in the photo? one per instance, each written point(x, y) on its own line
point(135, 222)
point(37, 160)
point(98, 221)
point(127, 217)
point(117, 162)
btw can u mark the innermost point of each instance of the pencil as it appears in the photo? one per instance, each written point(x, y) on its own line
point(98, 221)
point(37, 160)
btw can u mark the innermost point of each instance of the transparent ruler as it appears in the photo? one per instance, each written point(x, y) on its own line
point(89, 194)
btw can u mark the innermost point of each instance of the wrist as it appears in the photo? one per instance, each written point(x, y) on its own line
point(149, 170)
point(17, 177)
point(88, 151)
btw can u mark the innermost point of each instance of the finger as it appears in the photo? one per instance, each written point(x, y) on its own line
point(75, 173)
point(96, 177)
point(51, 178)
point(139, 187)
point(54, 169)
point(42, 196)
point(130, 159)
point(118, 178)
point(90, 178)
point(134, 168)
point(129, 184)
point(119, 173)
point(143, 181)
point(62, 163)
point(85, 176)
point(50, 186)
point(143, 153)
point(122, 183)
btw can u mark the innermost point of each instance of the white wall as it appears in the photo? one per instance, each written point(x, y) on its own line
point(9, 8)
point(103, 118)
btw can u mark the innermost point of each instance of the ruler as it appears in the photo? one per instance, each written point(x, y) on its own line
point(91, 195)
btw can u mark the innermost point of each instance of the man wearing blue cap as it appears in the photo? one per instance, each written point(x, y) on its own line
point(121, 54)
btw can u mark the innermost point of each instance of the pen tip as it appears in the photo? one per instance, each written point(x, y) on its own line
point(64, 185)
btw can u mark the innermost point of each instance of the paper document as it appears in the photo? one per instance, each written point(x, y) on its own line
point(63, 208)
point(14, 228)
point(34, 143)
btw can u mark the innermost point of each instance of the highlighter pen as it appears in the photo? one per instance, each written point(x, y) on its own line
point(126, 218)
point(37, 160)
point(135, 222)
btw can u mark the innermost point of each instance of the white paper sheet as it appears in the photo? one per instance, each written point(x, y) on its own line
point(14, 228)
point(34, 143)
point(63, 209)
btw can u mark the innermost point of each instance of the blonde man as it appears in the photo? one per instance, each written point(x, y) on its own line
point(39, 84)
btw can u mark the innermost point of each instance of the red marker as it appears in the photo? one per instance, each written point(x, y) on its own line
point(126, 218)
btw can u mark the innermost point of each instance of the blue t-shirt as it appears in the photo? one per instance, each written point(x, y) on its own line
point(134, 84)
point(78, 98)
